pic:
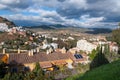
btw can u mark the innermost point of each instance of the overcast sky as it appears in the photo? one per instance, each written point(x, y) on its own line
point(79, 13)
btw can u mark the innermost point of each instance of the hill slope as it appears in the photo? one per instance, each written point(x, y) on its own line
point(9, 23)
point(107, 72)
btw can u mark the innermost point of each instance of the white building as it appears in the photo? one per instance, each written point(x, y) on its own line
point(54, 45)
point(113, 47)
point(54, 39)
point(3, 27)
point(70, 38)
point(86, 46)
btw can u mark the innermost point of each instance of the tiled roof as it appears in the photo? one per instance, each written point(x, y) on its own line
point(60, 62)
point(76, 60)
point(39, 57)
point(21, 58)
point(45, 64)
point(57, 56)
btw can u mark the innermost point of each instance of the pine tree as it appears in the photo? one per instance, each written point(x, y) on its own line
point(38, 72)
point(99, 60)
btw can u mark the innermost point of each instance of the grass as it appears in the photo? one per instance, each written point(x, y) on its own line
point(106, 72)
point(75, 77)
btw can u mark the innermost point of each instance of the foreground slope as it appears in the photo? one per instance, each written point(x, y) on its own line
point(106, 72)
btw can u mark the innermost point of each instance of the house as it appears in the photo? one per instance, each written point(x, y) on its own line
point(82, 58)
point(70, 38)
point(3, 27)
point(113, 47)
point(86, 46)
point(47, 61)
point(23, 33)
point(54, 39)
point(14, 30)
point(74, 50)
point(53, 45)
point(22, 60)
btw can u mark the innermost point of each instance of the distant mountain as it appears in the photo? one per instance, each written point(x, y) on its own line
point(56, 26)
point(98, 30)
point(9, 23)
point(86, 30)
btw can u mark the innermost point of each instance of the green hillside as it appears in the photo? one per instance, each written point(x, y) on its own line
point(106, 72)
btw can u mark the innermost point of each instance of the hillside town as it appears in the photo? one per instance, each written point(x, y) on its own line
point(59, 39)
point(51, 52)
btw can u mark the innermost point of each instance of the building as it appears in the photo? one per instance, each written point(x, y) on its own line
point(113, 47)
point(3, 27)
point(20, 61)
point(47, 61)
point(74, 50)
point(53, 45)
point(86, 46)
point(78, 58)
point(70, 38)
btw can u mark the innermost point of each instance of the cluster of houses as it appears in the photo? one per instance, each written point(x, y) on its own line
point(53, 56)
point(5, 28)
point(50, 59)
point(88, 47)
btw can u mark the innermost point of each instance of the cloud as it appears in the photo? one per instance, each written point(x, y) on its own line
point(52, 17)
point(82, 13)
point(14, 4)
point(95, 8)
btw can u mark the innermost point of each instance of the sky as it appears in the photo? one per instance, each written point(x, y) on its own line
point(77, 13)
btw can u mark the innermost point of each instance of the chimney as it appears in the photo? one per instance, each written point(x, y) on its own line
point(18, 50)
point(37, 49)
point(4, 50)
point(50, 50)
point(30, 52)
point(47, 52)
point(63, 50)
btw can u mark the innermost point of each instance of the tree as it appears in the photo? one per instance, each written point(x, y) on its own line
point(38, 72)
point(99, 60)
point(3, 69)
point(7, 77)
point(116, 36)
point(71, 43)
point(93, 54)
point(14, 76)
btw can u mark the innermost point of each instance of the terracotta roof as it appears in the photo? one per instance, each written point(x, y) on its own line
point(39, 57)
point(45, 64)
point(57, 56)
point(76, 60)
point(61, 62)
point(21, 58)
